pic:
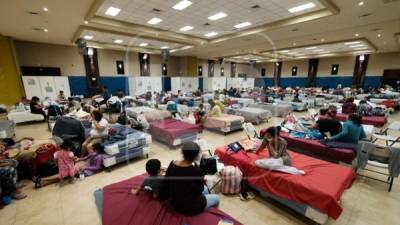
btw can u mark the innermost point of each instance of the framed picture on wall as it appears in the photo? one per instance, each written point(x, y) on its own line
point(335, 69)
point(200, 71)
point(263, 72)
point(120, 67)
point(294, 71)
point(222, 71)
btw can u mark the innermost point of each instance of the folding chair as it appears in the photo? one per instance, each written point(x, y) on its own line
point(384, 136)
point(250, 130)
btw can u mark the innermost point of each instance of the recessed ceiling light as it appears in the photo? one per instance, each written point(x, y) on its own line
point(352, 43)
point(379, 35)
point(241, 25)
point(284, 51)
point(118, 41)
point(45, 9)
point(164, 47)
point(182, 5)
point(294, 44)
point(360, 3)
point(322, 40)
point(154, 21)
point(217, 16)
point(211, 34)
point(187, 47)
point(186, 28)
point(309, 48)
point(356, 35)
point(143, 44)
point(302, 7)
point(318, 50)
point(326, 52)
point(112, 11)
point(360, 48)
point(45, 30)
point(86, 22)
point(88, 37)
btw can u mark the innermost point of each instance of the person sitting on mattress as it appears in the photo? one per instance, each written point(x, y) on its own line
point(199, 114)
point(154, 181)
point(184, 183)
point(279, 158)
point(36, 107)
point(349, 106)
point(98, 132)
point(332, 111)
point(215, 109)
point(352, 131)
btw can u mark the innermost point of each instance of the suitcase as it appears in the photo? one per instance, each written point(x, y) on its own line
point(68, 127)
point(7, 129)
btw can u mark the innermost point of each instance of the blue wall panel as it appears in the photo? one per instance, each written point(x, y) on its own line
point(372, 81)
point(166, 83)
point(263, 82)
point(333, 81)
point(201, 83)
point(116, 83)
point(78, 85)
point(293, 81)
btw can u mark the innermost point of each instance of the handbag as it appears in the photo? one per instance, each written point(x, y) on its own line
point(209, 166)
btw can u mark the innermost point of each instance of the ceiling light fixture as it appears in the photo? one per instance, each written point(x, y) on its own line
point(318, 50)
point(302, 7)
point(88, 37)
point(294, 44)
point(143, 44)
point(352, 43)
point(154, 21)
point(211, 34)
point(45, 9)
point(356, 46)
point(241, 25)
point(360, 3)
point(112, 11)
point(118, 41)
point(86, 22)
point(182, 5)
point(164, 47)
point(362, 58)
point(186, 28)
point(310, 48)
point(284, 51)
point(356, 35)
point(322, 40)
point(217, 16)
point(326, 52)
point(379, 35)
point(45, 30)
point(363, 48)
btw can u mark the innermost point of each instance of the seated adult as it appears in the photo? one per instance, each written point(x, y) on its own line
point(296, 98)
point(8, 181)
point(60, 97)
point(349, 107)
point(364, 109)
point(98, 132)
point(352, 131)
point(215, 109)
point(184, 183)
point(332, 111)
point(36, 107)
point(327, 126)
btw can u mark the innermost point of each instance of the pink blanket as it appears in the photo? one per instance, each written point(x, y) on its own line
point(171, 129)
point(157, 115)
point(122, 208)
point(224, 121)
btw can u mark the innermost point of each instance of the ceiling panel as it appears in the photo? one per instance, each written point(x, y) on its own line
point(196, 15)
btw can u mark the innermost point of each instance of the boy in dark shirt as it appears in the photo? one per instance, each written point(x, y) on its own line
point(153, 182)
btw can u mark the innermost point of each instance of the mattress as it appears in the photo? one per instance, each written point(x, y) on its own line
point(7, 129)
point(277, 110)
point(314, 147)
point(173, 132)
point(125, 144)
point(225, 123)
point(377, 121)
point(117, 206)
point(184, 109)
point(150, 114)
point(253, 115)
point(321, 187)
point(243, 101)
point(24, 117)
point(296, 106)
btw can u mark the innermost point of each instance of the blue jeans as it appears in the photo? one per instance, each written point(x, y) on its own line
point(212, 199)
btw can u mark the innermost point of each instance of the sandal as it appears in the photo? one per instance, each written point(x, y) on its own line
point(20, 186)
point(18, 195)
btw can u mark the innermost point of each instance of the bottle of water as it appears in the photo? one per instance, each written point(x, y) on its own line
point(81, 175)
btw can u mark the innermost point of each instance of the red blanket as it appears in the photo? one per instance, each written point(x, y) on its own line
point(122, 208)
point(321, 188)
point(340, 154)
point(377, 121)
point(171, 129)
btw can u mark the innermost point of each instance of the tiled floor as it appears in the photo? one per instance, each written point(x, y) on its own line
point(367, 202)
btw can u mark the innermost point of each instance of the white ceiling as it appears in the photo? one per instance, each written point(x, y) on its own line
point(65, 23)
point(196, 15)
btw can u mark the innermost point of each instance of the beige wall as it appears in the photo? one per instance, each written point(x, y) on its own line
point(346, 66)
point(379, 62)
point(269, 69)
point(302, 68)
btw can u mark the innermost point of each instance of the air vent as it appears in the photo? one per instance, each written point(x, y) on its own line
point(38, 29)
point(365, 15)
point(247, 39)
point(156, 10)
point(376, 29)
point(295, 29)
point(33, 13)
point(256, 7)
point(206, 24)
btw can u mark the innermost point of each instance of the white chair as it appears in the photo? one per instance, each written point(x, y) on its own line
point(384, 134)
point(250, 130)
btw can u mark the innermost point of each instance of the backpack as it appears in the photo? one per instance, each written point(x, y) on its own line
point(231, 178)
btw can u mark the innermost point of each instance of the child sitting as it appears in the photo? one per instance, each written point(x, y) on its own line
point(65, 162)
point(90, 164)
point(153, 182)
